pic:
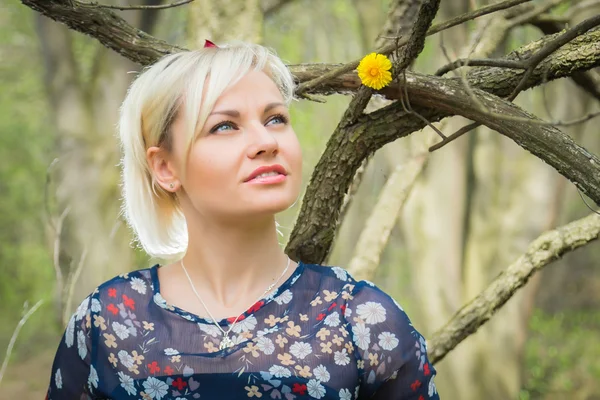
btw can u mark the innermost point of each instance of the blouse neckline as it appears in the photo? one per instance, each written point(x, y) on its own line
point(161, 302)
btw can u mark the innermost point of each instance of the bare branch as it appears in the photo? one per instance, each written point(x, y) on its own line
point(156, 7)
point(547, 248)
point(375, 235)
point(479, 62)
point(15, 334)
point(387, 49)
point(551, 47)
point(107, 27)
point(73, 277)
point(311, 240)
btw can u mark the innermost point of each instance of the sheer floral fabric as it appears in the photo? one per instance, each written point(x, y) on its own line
point(320, 335)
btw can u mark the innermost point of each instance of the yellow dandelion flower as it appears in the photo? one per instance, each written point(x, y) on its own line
point(374, 71)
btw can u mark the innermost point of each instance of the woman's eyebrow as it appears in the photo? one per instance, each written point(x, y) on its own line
point(231, 113)
point(271, 106)
point(236, 114)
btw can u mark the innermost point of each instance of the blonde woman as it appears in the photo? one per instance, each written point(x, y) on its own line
point(209, 158)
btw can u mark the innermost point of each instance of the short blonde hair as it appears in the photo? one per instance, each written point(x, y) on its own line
point(153, 101)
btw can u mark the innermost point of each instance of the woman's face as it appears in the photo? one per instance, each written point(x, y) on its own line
point(247, 160)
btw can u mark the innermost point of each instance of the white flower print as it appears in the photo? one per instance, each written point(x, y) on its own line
point(58, 379)
point(369, 283)
point(125, 359)
point(361, 336)
point(155, 388)
point(347, 312)
point(96, 306)
point(81, 310)
point(371, 312)
point(120, 330)
point(284, 297)
point(332, 319)
point(70, 333)
point(81, 345)
point(315, 389)
point(387, 341)
point(171, 352)
point(300, 349)
point(210, 330)
point(321, 373)
point(340, 273)
point(237, 339)
point(265, 345)
point(245, 325)
point(432, 389)
point(356, 390)
point(93, 378)
point(341, 357)
point(161, 302)
point(267, 331)
point(345, 394)
point(294, 279)
point(138, 285)
point(280, 372)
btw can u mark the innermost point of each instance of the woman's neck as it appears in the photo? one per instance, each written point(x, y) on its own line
point(229, 262)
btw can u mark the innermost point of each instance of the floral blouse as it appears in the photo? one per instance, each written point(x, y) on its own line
point(320, 335)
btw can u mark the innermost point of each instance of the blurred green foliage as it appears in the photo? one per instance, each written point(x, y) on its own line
point(26, 151)
point(562, 356)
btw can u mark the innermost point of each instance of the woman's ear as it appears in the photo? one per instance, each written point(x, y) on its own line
point(162, 168)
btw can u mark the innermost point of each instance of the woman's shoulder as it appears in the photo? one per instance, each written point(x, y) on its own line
point(345, 279)
point(135, 284)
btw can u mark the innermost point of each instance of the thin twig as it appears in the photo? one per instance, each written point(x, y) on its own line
point(529, 16)
point(479, 62)
point(13, 339)
point(127, 8)
point(387, 49)
point(551, 47)
point(56, 258)
point(73, 277)
point(531, 64)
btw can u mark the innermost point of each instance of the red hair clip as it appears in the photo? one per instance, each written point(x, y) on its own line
point(208, 43)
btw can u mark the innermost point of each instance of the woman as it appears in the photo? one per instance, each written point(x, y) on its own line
point(209, 157)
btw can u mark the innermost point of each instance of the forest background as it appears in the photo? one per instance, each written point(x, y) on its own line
point(472, 207)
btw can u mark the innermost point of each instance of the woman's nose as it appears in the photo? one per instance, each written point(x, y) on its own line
point(261, 141)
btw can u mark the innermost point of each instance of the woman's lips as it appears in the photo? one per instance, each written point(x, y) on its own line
point(268, 180)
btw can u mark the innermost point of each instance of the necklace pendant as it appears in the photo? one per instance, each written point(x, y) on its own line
point(225, 343)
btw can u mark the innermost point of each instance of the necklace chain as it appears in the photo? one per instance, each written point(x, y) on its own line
point(226, 342)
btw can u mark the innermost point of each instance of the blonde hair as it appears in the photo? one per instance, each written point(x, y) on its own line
point(153, 101)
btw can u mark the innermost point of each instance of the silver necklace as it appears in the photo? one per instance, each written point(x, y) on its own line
point(226, 342)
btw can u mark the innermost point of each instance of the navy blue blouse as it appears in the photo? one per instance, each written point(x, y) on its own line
point(320, 335)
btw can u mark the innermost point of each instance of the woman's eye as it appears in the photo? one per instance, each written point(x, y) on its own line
point(278, 119)
point(223, 126)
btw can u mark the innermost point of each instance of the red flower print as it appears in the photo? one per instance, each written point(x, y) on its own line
point(232, 319)
point(321, 316)
point(169, 370)
point(421, 397)
point(415, 385)
point(179, 384)
point(111, 307)
point(331, 307)
point(300, 389)
point(112, 292)
point(154, 368)
point(256, 306)
point(128, 302)
point(426, 370)
point(343, 308)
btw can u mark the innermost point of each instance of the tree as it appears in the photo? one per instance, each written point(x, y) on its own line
point(483, 95)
